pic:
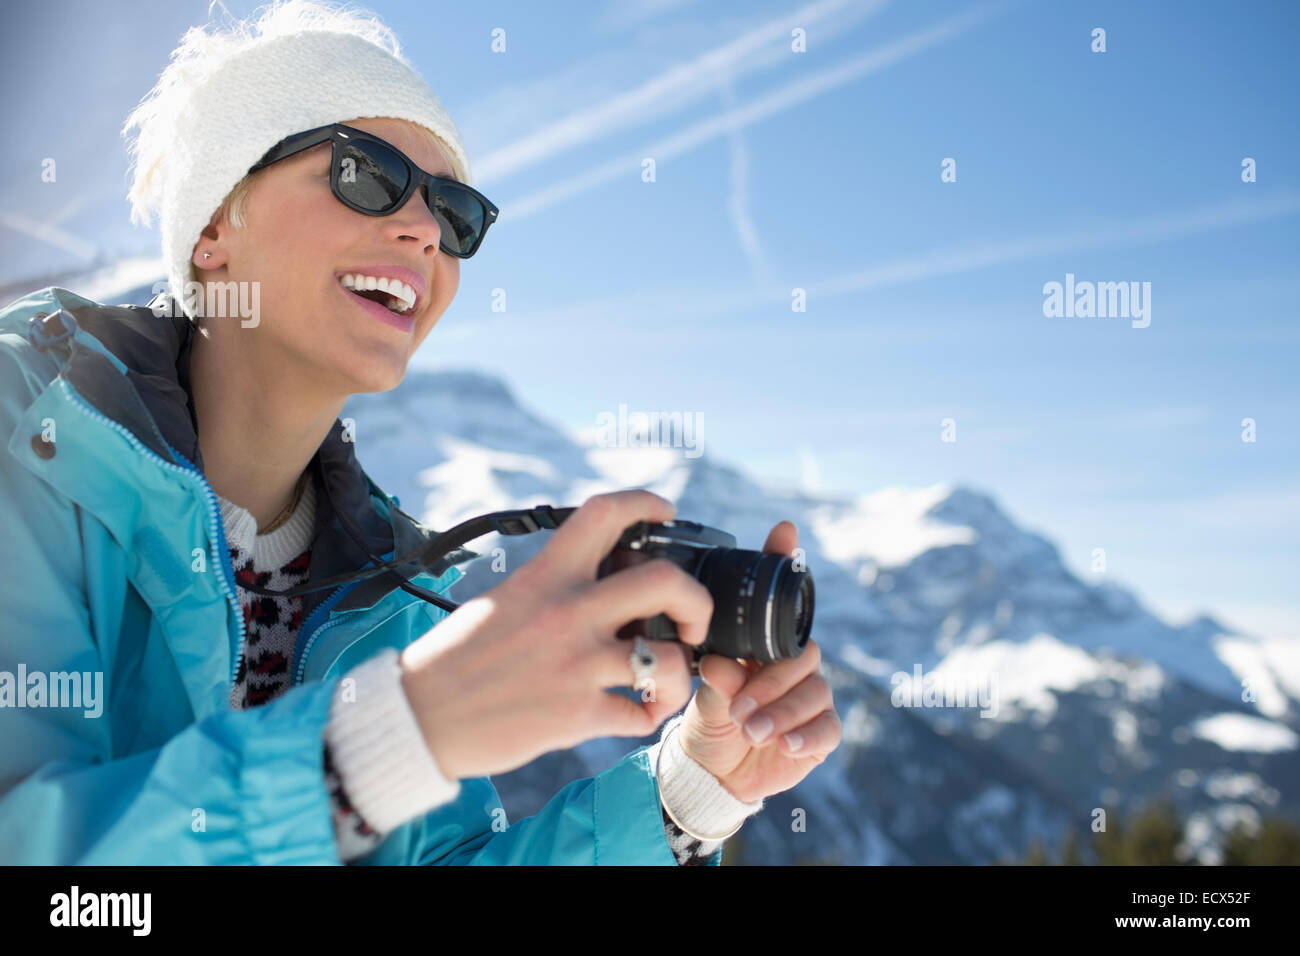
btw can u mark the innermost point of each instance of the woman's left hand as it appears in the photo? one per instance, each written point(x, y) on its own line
point(788, 699)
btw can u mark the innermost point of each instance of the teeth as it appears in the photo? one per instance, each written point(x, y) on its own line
point(403, 293)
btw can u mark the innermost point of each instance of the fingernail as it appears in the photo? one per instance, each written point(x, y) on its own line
point(759, 728)
point(794, 740)
point(741, 709)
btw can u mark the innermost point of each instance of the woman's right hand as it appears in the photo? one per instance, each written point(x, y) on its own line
point(521, 669)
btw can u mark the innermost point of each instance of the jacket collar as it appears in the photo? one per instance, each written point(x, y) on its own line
point(152, 399)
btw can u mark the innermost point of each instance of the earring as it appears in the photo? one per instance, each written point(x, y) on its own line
point(207, 255)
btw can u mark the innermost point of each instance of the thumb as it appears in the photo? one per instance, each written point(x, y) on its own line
point(723, 678)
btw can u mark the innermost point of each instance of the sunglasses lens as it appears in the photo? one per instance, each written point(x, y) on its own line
point(374, 178)
point(371, 175)
point(460, 218)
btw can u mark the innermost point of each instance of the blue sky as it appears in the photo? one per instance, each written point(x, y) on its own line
point(821, 170)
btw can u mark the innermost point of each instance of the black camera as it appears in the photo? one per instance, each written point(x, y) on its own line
point(762, 603)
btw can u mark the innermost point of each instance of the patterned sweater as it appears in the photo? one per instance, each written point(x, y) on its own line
point(377, 767)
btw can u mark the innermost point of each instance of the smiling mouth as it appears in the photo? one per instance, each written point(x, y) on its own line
point(394, 295)
point(402, 321)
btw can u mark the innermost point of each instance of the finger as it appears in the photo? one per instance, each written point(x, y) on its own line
point(796, 707)
point(645, 590)
point(578, 546)
point(773, 681)
point(782, 539)
point(722, 677)
point(620, 716)
point(817, 738)
point(612, 666)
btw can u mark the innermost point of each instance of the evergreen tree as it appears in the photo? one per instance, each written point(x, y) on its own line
point(1154, 837)
point(1277, 843)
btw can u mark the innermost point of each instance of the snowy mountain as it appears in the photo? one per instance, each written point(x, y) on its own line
point(989, 696)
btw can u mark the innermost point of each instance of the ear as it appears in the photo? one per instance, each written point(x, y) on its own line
point(209, 251)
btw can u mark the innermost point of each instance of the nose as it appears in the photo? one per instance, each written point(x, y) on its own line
point(415, 222)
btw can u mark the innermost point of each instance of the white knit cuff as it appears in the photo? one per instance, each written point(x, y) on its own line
point(387, 770)
point(693, 797)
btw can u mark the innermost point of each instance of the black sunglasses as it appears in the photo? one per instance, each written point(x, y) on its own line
point(376, 178)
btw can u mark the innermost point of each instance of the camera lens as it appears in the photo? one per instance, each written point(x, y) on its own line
point(762, 606)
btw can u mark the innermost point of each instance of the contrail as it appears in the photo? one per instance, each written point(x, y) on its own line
point(738, 200)
point(51, 234)
point(710, 302)
point(782, 99)
point(672, 90)
point(982, 254)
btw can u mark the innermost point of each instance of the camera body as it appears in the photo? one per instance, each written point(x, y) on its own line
point(762, 603)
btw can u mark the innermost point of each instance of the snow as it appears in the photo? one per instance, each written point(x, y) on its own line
point(1232, 785)
point(1244, 732)
point(469, 482)
point(1026, 673)
point(889, 527)
point(1250, 661)
point(856, 657)
point(1125, 728)
point(1283, 657)
point(1021, 673)
point(633, 467)
point(860, 727)
point(996, 801)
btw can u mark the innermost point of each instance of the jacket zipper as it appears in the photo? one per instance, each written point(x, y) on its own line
point(323, 609)
point(309, 643)
point(227, 575)
point(217, 531)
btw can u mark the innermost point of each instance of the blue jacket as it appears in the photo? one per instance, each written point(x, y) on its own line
point(114, 561)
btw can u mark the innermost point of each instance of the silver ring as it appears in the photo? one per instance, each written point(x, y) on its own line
point(643, 663)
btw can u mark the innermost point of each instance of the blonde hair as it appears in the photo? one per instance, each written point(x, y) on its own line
point(200, 50)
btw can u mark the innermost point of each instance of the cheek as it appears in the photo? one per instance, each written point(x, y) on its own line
point(307, 252)
point(446, 280)
point(449, 274)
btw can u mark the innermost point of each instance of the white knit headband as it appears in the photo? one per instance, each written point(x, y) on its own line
point(269, 90)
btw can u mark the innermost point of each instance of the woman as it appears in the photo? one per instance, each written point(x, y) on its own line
point(171, 472)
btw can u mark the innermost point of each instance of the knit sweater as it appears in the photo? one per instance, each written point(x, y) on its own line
point(378, 770)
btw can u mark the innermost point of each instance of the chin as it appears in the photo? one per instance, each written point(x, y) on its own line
point(382, 375)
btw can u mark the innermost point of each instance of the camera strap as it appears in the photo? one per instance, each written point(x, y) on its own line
point(514, 522)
